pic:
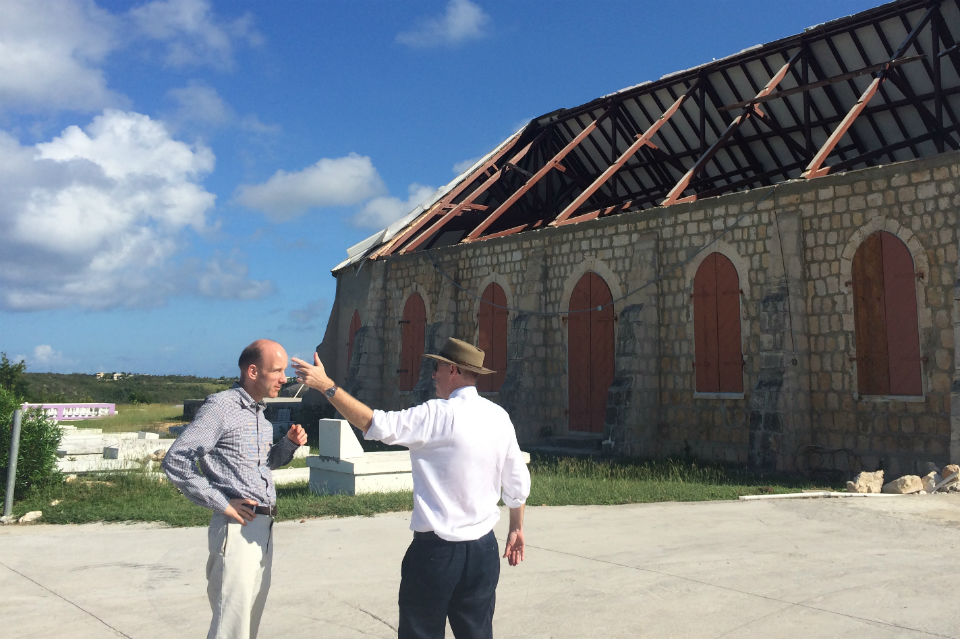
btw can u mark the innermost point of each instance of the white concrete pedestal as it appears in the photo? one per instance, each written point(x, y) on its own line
point(343, 466)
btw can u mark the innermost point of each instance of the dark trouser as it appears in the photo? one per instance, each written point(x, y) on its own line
point(456, 579)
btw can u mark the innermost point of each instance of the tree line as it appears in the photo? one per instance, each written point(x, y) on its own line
point(80, 387)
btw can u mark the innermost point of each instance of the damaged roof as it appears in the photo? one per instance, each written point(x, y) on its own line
point(873, 88)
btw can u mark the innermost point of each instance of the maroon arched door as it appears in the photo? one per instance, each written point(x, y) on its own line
point(718, 355)
point(590, 345)
point(492, 336)
point(352, 333)
point(885, 318)
point(412, 331)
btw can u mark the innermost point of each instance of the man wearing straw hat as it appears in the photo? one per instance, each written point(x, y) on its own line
point(464, 458)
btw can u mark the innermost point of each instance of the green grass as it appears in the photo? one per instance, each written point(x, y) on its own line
point(124, 497)
point(136, 496)
point(584, 481)
point(136, 417)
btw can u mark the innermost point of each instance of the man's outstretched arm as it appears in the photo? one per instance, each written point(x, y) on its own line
point(315, 376)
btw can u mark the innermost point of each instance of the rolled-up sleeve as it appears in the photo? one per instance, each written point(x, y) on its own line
point(515, 478)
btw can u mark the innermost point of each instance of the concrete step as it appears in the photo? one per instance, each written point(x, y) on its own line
point(84, 446)
point(69, 429)
point(571, 446)
point(129, 448)
point(92, 463)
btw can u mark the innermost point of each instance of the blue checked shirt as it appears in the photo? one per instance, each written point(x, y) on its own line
point(232, 442)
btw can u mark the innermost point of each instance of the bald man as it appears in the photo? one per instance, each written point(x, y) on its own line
point(222, 461)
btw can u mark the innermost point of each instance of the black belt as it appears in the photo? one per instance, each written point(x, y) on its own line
point(264, 510)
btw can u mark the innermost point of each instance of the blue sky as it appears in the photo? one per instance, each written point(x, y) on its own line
point(179, 176)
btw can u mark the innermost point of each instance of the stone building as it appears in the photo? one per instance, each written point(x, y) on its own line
point(752, 261)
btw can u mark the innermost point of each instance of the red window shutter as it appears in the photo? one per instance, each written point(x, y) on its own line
point(873, 372)
point(706, 346)
point(900, 310)
point(492, 325)
point(411, 342)
point(354, 327)
point(729, 352)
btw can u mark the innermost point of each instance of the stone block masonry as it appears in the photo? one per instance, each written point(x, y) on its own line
point(792, 247)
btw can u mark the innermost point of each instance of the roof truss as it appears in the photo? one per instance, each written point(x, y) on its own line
point(877, 87)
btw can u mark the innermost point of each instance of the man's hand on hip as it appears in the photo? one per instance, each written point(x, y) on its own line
point(241, 510)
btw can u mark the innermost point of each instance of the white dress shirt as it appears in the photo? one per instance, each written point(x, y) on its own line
point(464, 456)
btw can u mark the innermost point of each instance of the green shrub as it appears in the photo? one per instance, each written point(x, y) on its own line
point(37, 454)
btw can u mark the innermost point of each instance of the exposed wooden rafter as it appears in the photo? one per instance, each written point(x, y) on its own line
point(816, 169)
point(553, 163)
point(642, 140)
point(752, 109)
point(682, 137)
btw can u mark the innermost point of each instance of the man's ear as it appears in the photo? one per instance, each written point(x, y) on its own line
point(252, 371)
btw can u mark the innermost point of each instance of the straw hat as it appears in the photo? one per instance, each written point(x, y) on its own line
point(462, 354)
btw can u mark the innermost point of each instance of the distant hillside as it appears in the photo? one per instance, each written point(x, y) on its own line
point(130, 388)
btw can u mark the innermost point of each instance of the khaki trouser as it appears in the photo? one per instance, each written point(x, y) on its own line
point(238, 574)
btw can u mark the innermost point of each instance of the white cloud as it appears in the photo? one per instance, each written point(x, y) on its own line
point(49, 55)
point(463, 165)
point(462, 21)
point(380, 212)
point(44, 358)
point(199, 107)
point(310, 315)
point(93, 217)
point(191, 34)
point(330, 182)
point(227, 278)
point(51, 51)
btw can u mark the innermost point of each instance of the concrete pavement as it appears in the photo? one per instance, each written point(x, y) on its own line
point(832, 567)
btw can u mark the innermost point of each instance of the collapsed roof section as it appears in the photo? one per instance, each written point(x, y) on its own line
point(877, 87)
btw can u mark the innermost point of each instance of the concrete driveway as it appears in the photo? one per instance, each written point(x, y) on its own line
point(832, 567)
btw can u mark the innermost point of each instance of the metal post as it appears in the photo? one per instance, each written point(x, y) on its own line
point(12, 463)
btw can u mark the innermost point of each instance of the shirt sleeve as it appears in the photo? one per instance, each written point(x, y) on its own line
point(409, 428)
point(181, 462)
point(281, 453)
point(515, 477)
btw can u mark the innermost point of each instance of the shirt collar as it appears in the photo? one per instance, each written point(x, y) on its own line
point(246, 400)
point(469, 390)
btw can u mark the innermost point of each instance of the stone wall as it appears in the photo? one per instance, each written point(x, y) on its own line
point(792, 246)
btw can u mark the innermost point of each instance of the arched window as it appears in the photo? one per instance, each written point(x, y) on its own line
point(716, 326)
point(352, 333)
point(885, 318)
point(492, 336)
point(412, 331)
point(590, 349)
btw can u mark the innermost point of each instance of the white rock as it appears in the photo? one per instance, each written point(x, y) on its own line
point(30, 516)
point(866, 482)
point(930, 481)
point(904, 484)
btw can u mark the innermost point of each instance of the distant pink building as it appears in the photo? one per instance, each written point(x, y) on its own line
point(68, 411)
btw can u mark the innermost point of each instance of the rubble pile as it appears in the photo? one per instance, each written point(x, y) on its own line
point(947, 479)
